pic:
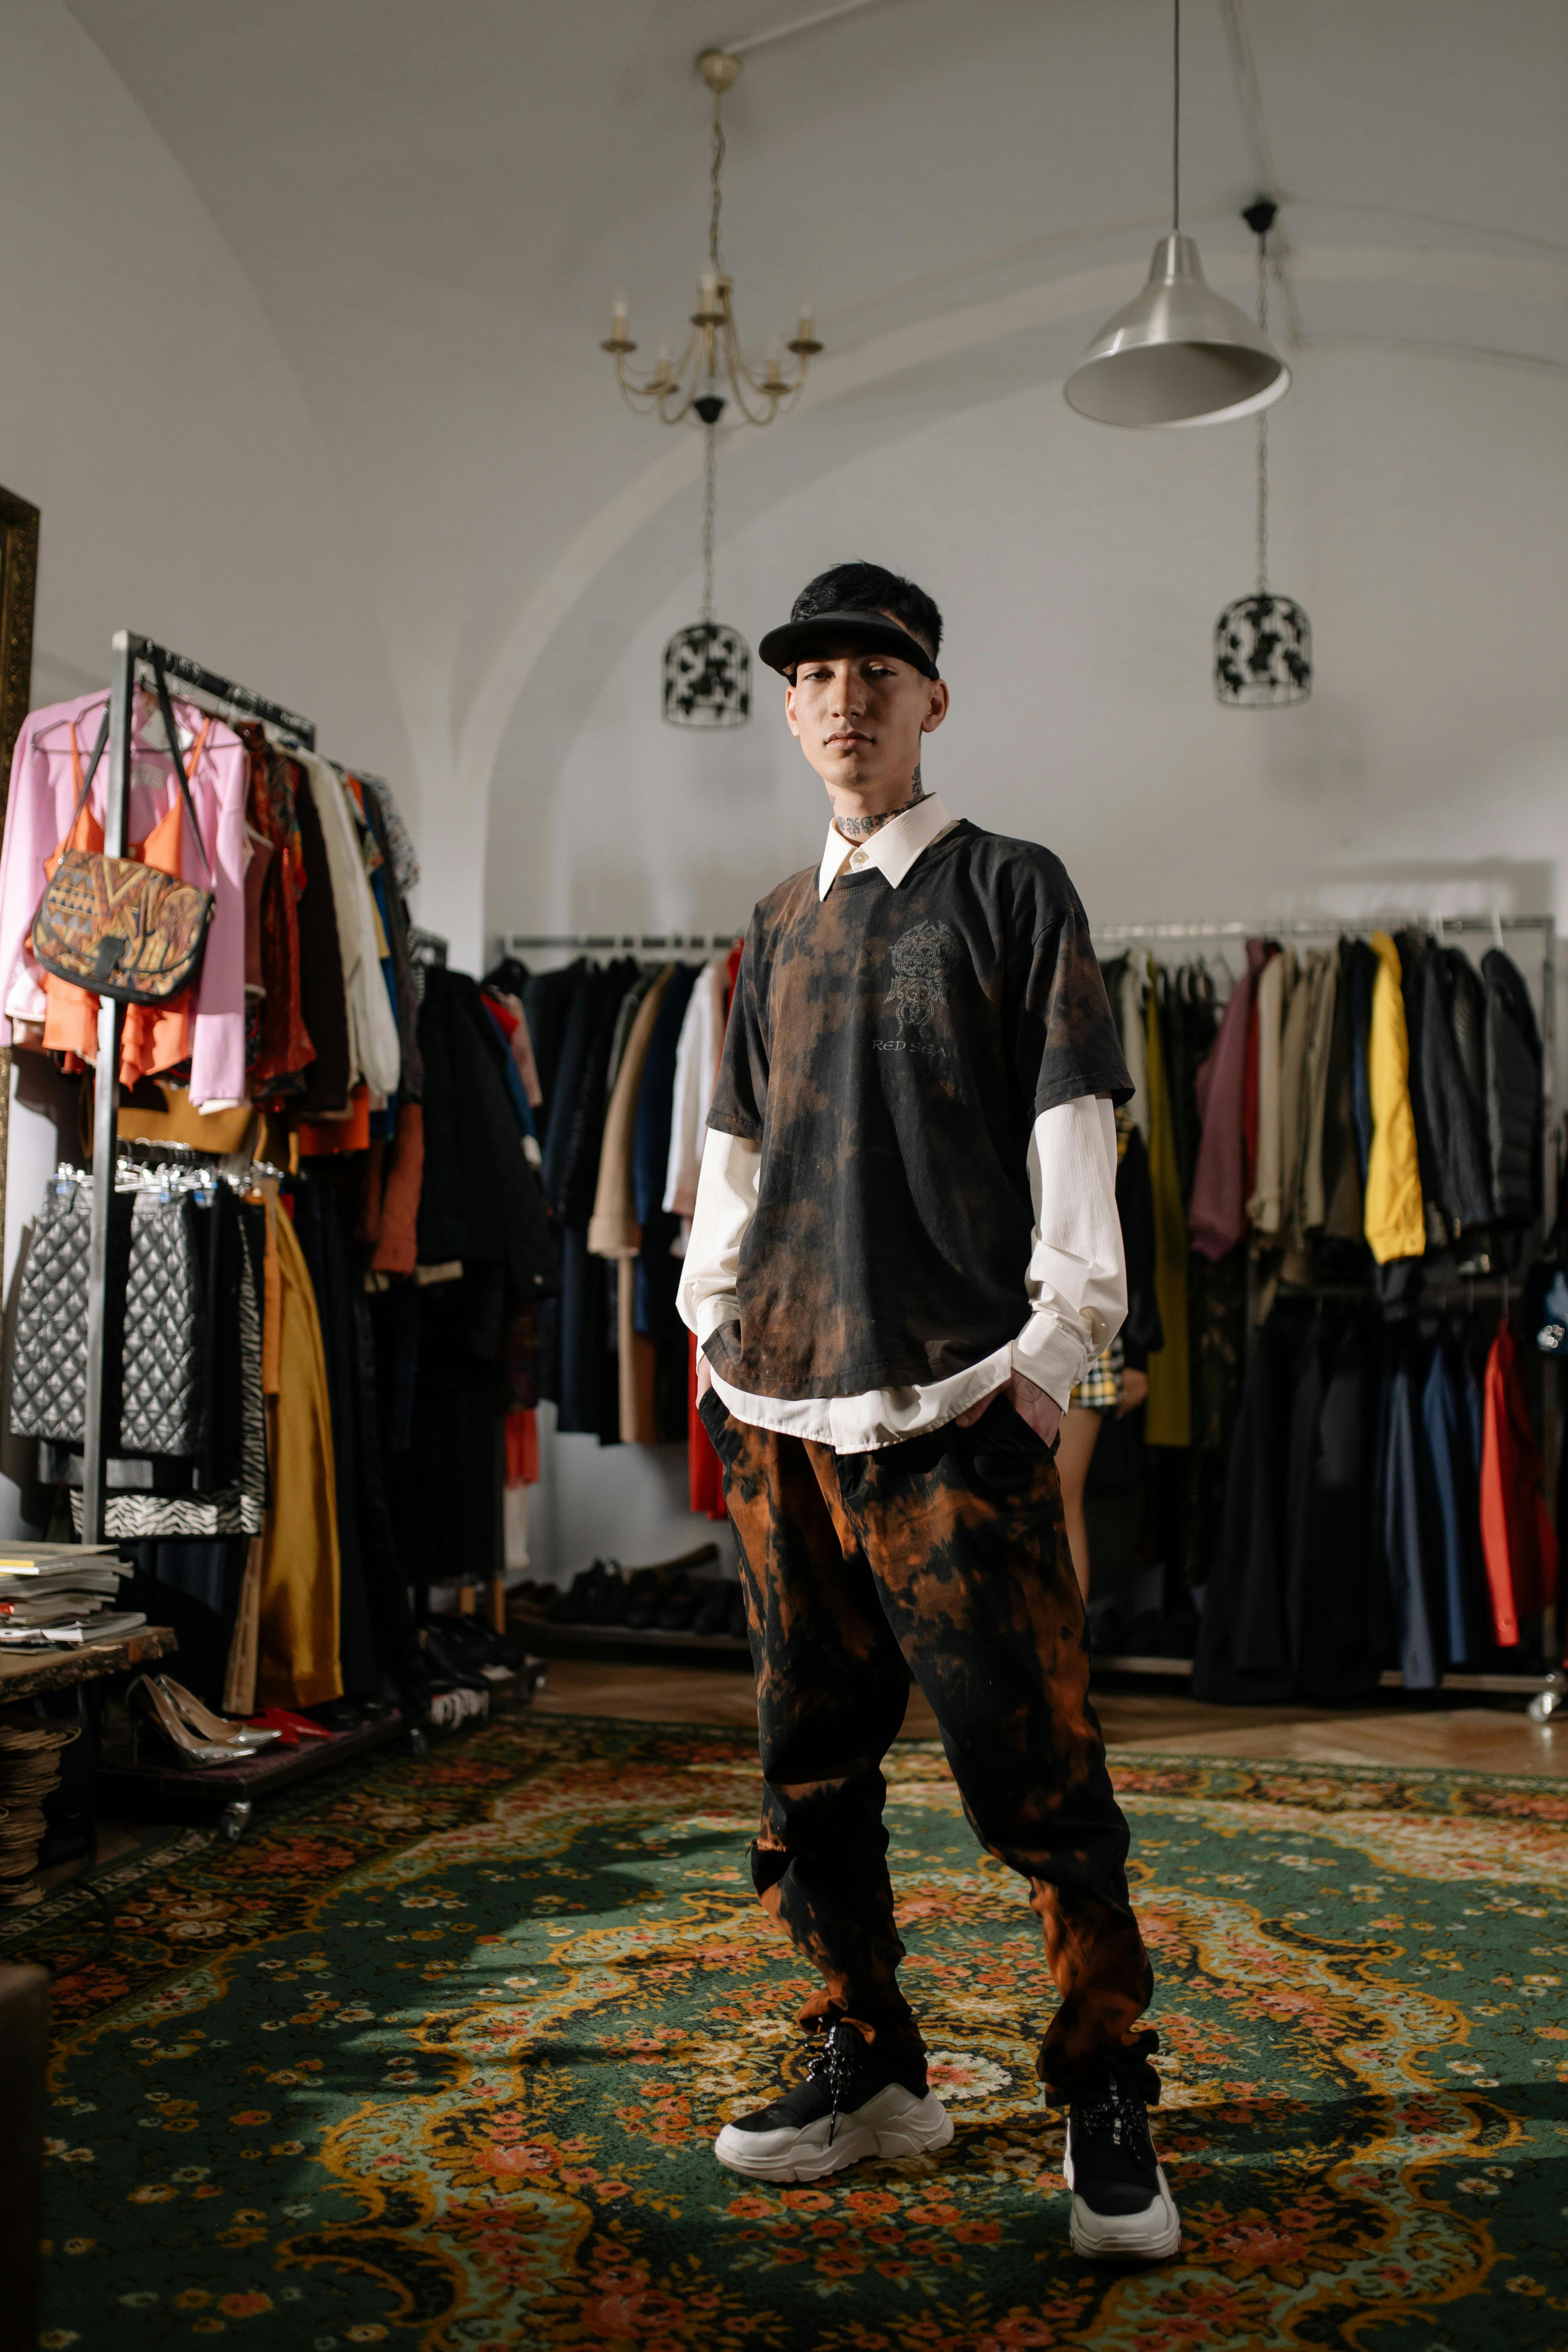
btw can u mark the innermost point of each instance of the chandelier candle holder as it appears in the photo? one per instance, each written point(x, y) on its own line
point(1262, 643)
point(711, 373)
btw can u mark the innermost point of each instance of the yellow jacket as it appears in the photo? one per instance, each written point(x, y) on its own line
point(1395, 1222)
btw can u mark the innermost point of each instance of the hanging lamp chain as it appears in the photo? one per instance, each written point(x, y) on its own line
point(1263, 426)
point(709, 513)
point(1176, 117)
point(714, 176)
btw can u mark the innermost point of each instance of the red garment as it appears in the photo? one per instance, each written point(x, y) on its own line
point(522, 1449)
point(396, 1244)
point(283, 1048)
point(318, 1136)
point(1518, 1542)
point(706, 1477)
point(1217, 1217)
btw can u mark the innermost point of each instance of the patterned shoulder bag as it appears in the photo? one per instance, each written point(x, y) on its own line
point(115, 926)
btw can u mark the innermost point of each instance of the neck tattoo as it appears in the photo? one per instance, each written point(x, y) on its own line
point(858, 828)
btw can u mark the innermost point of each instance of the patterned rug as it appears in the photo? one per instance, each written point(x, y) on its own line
point(432, 2059)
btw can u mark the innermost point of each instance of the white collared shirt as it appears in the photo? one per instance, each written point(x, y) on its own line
point(892, 849)
point(1075, 1281)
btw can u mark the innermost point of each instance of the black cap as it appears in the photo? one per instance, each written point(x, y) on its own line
point(835, 632)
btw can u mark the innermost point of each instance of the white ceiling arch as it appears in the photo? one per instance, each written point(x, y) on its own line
point(434, 203)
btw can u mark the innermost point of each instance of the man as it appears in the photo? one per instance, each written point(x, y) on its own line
point(905, 1252)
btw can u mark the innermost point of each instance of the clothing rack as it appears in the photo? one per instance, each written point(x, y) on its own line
point(1334, 927)
point(1550, 1690)
point(129, 651)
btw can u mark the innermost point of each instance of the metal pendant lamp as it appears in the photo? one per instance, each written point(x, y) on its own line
point(1262, 643)
point(1179, 354)
point(707, 666)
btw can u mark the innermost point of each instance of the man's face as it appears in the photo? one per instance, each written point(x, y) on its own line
point(860, 717)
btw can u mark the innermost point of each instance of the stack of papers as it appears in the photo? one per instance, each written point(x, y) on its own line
point(61, 1595)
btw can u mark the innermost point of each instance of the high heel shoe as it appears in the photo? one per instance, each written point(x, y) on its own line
point(207, 1726)
point(149, 1710)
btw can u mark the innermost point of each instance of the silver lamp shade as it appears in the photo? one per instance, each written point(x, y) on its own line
point(1179, 354)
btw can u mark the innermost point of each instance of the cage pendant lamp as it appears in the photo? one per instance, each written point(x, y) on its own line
point(1262, 643)
point(707, 666)
point(1179, 354)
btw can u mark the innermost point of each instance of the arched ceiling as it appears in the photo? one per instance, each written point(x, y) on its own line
point(436, 204)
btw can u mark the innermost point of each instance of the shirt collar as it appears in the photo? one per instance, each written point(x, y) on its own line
point(893, 849)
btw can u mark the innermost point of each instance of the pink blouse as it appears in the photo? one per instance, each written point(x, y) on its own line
point(42, 792)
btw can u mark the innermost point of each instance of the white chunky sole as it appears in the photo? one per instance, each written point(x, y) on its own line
point(895, 2123)
point(1151, 2236)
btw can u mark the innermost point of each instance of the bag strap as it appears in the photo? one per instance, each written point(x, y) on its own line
point(172, 733)
point(84, 784)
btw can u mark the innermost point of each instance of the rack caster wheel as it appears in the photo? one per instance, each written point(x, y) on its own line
point(418, 1744)
point(234, 1819)
point(1552, 1701)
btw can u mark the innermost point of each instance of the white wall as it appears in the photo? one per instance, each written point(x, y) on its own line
point(146, 408)
point(1420, 512)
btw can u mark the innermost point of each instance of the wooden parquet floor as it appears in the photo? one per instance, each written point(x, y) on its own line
point(1497, 1738)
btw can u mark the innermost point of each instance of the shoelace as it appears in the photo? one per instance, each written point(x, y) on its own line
point(1121, 2117)
point(837, 2062)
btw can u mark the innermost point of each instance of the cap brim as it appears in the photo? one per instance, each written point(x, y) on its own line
point(834, 633)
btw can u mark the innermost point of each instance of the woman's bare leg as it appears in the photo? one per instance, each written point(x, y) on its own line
point(1080, 1434)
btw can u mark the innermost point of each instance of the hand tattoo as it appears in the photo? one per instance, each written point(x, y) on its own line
point(857, 828)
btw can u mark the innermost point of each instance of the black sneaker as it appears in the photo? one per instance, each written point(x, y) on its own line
point(1123, 2210)
point(852, 2105)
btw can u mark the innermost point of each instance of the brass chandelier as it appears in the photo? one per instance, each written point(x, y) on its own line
point(711, 373)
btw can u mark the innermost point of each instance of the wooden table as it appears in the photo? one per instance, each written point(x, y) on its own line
point(30, 1673)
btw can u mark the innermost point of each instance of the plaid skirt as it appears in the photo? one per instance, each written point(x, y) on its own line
point(1100, 1387)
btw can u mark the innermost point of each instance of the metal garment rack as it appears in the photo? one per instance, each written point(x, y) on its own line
point(129, 652)
point(1551, 1689)
point(621, 942)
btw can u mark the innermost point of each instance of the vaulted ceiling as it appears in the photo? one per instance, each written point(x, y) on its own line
point(435, 205)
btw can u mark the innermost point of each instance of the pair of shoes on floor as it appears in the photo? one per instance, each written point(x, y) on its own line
point(528, 1602)
point(596, 1596)
point(702, 1606)
point(198, 1740)
point(500, 1661)
point(856, 2103)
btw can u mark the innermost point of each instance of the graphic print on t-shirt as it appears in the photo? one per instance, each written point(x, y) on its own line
point(923, 960)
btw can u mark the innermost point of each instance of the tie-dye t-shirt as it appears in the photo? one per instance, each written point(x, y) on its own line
point(890, 1050)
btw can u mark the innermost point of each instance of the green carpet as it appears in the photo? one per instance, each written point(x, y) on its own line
point(433, 2060)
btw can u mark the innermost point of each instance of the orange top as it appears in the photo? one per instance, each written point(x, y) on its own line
point(154, 1037)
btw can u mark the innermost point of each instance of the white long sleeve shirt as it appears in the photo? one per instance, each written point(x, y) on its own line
point(1076, 1282)
point(696, 1053)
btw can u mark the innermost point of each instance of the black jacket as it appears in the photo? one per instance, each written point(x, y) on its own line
point(1142, 1333)
point(481, 1202)
point(1514, 1109)
point(1460, 1171)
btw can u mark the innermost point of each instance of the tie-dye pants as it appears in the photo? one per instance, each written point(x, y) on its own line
point(945, 1557)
